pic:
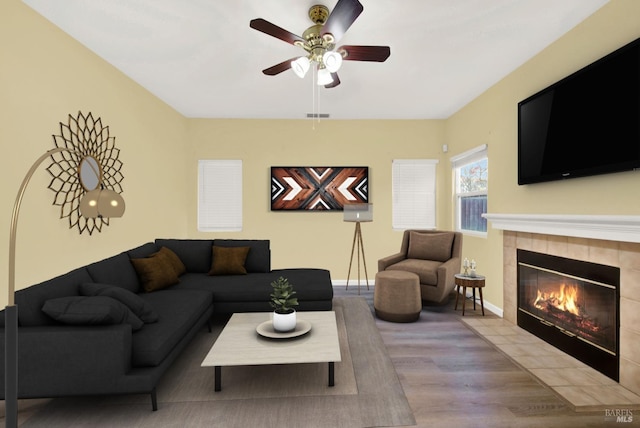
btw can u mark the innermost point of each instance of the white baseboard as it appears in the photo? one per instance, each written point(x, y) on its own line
point(493, 308)
point(487, 305)
point(352, 283)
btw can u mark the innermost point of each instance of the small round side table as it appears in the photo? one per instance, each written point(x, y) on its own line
point(472, 282)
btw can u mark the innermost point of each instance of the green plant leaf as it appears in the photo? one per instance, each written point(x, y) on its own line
point(281, 297)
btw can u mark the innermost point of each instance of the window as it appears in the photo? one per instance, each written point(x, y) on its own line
point(414, 193)
point(471, 171)
point(219, 195)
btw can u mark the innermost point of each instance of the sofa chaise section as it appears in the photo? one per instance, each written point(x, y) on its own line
point(250, 293)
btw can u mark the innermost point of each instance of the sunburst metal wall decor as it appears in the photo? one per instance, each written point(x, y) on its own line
point(91, 162)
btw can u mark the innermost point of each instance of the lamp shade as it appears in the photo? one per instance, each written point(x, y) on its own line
point(300, 66)
point(332, 61)
point(324, 77)
point(358, 212)
point(102, 203)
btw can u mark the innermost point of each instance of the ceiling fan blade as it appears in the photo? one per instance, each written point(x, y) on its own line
point(275, 31)
point(341, 18)
point(365, 53)
point(336, 81)
point(279, 68)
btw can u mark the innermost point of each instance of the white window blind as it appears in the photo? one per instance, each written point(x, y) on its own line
point(414, 193)
point(219, 195)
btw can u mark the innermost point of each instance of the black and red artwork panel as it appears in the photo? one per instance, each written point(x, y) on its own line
point(318, 188)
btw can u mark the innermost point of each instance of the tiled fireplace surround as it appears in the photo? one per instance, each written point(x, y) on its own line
point(609, 240)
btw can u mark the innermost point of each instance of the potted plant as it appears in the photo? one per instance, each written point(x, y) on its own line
point(283, 302)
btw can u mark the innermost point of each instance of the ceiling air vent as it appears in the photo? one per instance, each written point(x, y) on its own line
point(318, 115)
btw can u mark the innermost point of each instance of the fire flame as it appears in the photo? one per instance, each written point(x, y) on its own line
point(565, 299)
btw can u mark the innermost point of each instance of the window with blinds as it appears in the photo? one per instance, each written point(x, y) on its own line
point(414, 193)
point(219, 195)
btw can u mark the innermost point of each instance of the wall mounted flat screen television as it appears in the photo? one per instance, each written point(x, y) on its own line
point(586, 124)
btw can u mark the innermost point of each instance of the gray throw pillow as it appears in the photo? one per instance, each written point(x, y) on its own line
point(139, 307)
point(93, 310)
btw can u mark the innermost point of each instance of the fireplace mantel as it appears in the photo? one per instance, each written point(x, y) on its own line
point(608, 227)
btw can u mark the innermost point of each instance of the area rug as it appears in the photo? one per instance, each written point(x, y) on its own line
point(367, 391)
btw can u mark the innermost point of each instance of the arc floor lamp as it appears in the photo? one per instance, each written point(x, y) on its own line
point(96, 202)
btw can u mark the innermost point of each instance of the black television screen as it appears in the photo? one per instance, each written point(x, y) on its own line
point(586, 124)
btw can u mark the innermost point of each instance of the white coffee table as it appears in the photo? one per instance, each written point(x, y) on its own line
point(239, 344)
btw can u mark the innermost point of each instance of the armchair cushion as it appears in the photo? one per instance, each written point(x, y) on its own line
point(430, 246)
point(427, 270)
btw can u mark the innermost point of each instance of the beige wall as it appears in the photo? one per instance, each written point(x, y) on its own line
point(44, 77)
point(314, 239)
point(50, 76)
point(491, 118)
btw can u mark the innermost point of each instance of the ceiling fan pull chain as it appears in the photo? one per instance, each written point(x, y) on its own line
point(318, 102)
point(314, 88)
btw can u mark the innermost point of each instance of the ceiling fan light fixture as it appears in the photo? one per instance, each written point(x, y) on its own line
point(319, 43)
point(324, 77)
point(300, 66)
point(332, 61)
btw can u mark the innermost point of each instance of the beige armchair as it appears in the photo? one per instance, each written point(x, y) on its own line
point(433, 255)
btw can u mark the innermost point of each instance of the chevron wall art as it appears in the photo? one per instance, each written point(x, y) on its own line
point(318, 188)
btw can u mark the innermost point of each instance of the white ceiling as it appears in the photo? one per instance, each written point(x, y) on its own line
point(202, 58)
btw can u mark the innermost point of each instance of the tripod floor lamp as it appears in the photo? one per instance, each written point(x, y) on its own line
point(358, 213)
point(93, 201)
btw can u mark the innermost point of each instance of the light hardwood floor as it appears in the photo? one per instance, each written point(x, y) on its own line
point(454, 378)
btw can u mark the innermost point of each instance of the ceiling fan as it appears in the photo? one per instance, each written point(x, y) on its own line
point(319, 42)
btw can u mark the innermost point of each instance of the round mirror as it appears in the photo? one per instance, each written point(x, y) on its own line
point(90, 173)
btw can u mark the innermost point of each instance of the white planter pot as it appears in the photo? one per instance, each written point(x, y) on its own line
point(284, 322)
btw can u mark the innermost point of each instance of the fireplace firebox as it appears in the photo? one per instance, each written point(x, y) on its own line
point(573, 305)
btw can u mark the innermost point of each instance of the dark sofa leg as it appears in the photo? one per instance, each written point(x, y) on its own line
point(154, 400)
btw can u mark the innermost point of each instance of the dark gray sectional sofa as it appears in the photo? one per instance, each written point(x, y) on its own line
point(136, 335)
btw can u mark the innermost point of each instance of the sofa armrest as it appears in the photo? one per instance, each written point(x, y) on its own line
point(62, 360)
point(385, 262)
